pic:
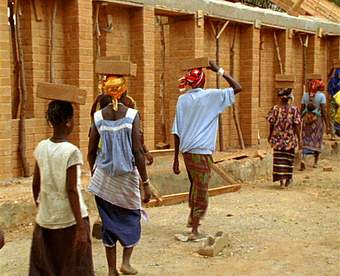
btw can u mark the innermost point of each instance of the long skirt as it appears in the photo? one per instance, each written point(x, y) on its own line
point(199, 172)
point(52, 253)
point(283, 164)
point(312, 136)
point(119, 224)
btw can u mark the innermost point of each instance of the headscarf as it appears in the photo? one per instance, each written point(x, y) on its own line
point(315, 86)
point(285, 93)
point(334, 83)
point(193, 79)
point(129, 102)
point(115, 87)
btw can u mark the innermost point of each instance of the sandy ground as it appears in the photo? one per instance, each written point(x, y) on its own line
point(272, 232)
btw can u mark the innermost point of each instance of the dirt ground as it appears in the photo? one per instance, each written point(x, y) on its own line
point(272, 232)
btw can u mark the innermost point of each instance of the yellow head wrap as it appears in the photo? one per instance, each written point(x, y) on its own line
point(115, 87)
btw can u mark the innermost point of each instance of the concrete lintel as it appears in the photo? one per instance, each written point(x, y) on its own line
point(241, 13)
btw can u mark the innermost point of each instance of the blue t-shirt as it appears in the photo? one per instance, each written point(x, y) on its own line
point(319, 99)
point(196, 119)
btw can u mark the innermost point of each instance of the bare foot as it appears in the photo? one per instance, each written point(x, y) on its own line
point(288, 182)
point(113, 272)
point(303, 166)
point(281, 184)
point(315, 166)
point(196, 237)
point(128, 270)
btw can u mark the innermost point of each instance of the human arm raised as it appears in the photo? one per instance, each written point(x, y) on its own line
point(233, 83)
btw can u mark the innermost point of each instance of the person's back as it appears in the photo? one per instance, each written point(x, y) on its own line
point(53, 160)
point(199, 127)
point(115, 130)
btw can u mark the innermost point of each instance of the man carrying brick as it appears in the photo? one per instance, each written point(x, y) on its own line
point(195, 130)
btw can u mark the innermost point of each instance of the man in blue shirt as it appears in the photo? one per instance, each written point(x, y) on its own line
point(195, 130)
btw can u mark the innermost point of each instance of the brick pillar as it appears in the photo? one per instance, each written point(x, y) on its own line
point(186, 40)
point(334, 50)
point(286, 51)
point(250, 38)
point(142, 53)
point(313, 55)
point(79, 62)
point(5, 95)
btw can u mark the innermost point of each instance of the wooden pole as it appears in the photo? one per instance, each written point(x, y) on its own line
point(182, 197)
point(16, 89)
point(162, 82)
point(278, 54)
point(235, 110)
point(23, 98)
point(52, 23)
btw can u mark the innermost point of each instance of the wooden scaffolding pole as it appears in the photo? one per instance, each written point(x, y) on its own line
point(235, 109)
point(23, 95)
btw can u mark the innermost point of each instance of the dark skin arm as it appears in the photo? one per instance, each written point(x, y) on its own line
point(324, 116)
point(93, 147)
point(175, 166)
point(81, 237)
point(36, 184)
point(138, 152)
point(233, 83)
point(271, 128)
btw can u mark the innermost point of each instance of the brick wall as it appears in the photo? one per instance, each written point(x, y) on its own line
point(135, 35)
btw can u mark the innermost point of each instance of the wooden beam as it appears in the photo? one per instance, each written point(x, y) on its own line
point(183, 197)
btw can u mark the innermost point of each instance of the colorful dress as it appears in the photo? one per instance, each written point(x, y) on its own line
point(283, 120)
point(312, 131)
point(336, 99)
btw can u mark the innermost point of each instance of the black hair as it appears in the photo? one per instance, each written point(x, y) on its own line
point(59, 112)
point(104, 101)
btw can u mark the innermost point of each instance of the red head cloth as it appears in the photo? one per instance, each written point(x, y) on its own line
point(194, 78)
point(315, 86)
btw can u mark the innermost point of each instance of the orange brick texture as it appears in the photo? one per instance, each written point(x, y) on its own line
point(135, 36)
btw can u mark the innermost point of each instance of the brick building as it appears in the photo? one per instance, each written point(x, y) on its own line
point(144, 31)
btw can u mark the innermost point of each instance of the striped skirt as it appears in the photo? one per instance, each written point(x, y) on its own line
point(283, 164)
point(199, 173)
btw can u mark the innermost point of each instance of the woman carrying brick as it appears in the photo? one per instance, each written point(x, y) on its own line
point(313, 107)
point(61, 243)
point(115, 181)
point(284, 137)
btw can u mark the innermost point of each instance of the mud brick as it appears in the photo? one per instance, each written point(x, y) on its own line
point(62, 92)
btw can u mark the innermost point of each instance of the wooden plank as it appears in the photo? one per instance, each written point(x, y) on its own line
point(192, 63)
point(286, 78)
point(183, 197)
point(63, 92)
point(107, 66)
point(284, 84)
point(314, 76)
point(223, 174)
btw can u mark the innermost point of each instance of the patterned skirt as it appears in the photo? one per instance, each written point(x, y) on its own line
point(283, 164)
point(199, 173)
point(312, 136)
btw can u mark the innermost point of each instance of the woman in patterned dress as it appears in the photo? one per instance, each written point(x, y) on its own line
point(284, 135)
point(313, 107)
